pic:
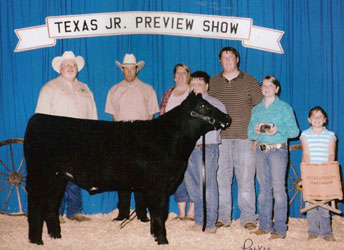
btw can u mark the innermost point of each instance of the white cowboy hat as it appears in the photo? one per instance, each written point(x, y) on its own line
point(67, 55)
point(128, 60)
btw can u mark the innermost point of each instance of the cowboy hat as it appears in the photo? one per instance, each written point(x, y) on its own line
point(67, 55)
point(128, 60)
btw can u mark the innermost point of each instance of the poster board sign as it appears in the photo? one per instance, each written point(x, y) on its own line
point(321, 181)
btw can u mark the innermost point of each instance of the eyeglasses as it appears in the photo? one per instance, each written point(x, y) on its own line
point(69, 65)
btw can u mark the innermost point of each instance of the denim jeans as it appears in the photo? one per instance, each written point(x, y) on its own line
point(319, 222)
point(194, 184)
point(271, 173)
point(236, 155)
point(181, 194)
point(72, 197)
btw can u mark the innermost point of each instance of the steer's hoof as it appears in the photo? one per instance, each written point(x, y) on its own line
point(55, 236)
point(38, 242)
point(162, 241)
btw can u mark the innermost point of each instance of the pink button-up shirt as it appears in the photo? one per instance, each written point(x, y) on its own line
point(63, 98)
point(131, 101)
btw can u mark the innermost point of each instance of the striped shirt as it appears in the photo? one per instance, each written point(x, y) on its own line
point(318, 144)
point(239, 96)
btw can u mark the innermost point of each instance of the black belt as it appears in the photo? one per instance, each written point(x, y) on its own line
point(266, 147)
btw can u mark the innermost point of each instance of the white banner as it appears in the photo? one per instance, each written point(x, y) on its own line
point(136, 22)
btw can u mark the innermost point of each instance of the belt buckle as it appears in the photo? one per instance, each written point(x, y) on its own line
point(262, 147)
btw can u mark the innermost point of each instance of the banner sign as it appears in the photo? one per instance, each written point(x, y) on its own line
point(137, 22)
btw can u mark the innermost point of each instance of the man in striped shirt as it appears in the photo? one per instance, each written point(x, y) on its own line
point(239, 92)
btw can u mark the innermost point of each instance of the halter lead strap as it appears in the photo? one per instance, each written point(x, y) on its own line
point(212, 122)
point(204, 178)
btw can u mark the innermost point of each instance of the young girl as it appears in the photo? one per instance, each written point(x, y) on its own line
point(318, 145)
point(272, 124)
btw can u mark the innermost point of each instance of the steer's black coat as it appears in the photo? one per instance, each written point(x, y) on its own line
point(100, 155)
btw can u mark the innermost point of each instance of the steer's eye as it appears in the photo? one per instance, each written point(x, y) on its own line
point(201, 107)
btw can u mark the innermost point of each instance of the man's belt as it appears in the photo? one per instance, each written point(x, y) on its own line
point(200, 145)
point(266, 147)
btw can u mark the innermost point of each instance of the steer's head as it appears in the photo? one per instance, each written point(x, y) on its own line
point(204, 114)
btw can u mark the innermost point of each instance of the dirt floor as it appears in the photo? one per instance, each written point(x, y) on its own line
point(102, 233)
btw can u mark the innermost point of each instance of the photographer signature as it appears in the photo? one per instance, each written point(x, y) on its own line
point(248, 245)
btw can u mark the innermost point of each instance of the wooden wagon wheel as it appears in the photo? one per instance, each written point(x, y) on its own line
point(12, 177)
point(294, 183)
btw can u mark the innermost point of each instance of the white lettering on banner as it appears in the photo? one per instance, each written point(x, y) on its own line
point(136, 22)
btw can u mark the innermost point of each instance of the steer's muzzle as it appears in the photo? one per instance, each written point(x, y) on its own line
point(226, 122)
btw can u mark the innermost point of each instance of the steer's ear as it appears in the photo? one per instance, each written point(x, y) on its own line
point(192, 93)
point(193, 98)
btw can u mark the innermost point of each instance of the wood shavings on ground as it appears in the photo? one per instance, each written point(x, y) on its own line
point(102, 233)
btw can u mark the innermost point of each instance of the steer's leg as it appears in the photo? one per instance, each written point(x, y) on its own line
point(158, 207)
point(36, 204)
point(151, 225)
point(35, 220)
point(52, 211)
point(35, 217)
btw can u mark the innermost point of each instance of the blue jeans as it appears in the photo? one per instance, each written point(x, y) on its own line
point(194, 184)
point(271, 173)
point(319, 222)
point(181, 194)
point(236, 155)
point(72, 197)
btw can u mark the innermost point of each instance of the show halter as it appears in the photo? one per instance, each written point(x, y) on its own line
point(203, 117)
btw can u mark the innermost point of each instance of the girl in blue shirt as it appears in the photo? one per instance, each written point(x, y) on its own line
point(272, 124)
point(318, 145)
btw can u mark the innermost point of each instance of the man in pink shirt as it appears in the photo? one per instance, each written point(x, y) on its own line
point(66, 96)
point(128, 100)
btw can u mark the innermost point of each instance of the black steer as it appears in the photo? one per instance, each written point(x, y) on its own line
point(149, 156)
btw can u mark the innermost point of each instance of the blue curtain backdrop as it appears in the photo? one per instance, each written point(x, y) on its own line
point(310, 71)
